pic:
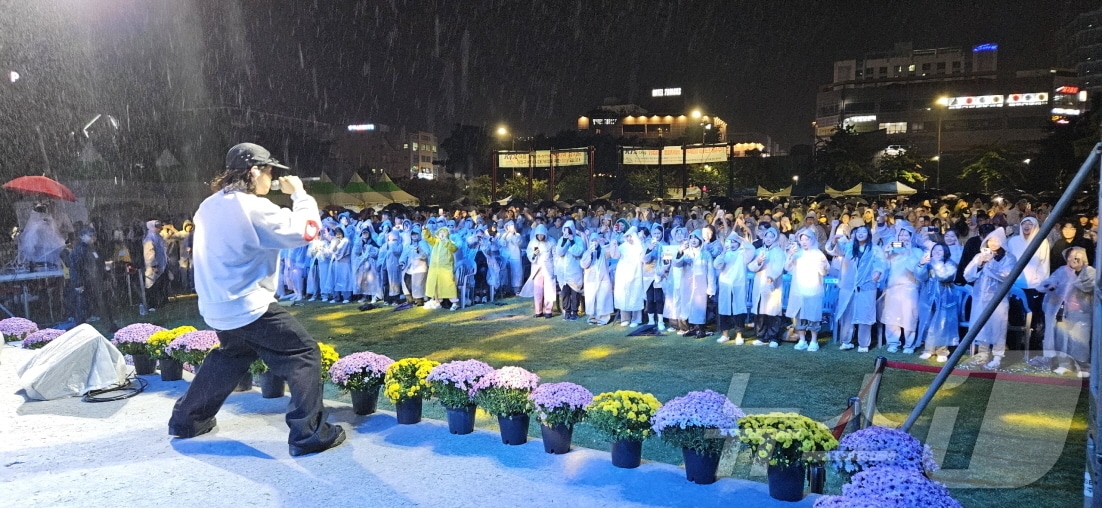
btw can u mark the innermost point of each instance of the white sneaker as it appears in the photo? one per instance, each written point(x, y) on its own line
point(847, 346)
point(633, 324)
point(942, 358)
point(679, 332)
point(347, 301)
point(1060, 371)
point(994, 364)
point(893, 349)
point(455, 306)
point(759, 343)
point(925, 356)
point(862, 350)
point(814, 346)
point(722, 339)
point(739, 340)
point(908, 350)
point(801, 345)
point(623, 323)
point(661, 326)
point(774, 343)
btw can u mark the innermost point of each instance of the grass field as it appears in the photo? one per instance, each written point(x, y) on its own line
point(998, 442)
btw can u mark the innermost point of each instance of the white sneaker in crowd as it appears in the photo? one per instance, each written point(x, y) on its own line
point(814, 346)
point(801, 345)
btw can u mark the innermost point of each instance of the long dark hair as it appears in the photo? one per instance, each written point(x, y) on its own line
point(856, 250)
point(234, 180)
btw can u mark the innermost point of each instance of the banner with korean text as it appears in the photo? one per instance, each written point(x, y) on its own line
point(674, 155)
point(543, 158)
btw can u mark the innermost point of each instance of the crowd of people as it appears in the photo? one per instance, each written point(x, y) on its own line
point(704, 271)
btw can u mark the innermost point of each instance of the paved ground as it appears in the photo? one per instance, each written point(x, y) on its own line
point(71, 453)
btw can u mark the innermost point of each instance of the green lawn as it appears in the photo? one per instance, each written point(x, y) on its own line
point(1026, 420)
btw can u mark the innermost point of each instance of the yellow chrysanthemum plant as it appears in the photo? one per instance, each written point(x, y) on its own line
point(408, 378)
point(622, 414)
point(782, 439)
point(329, 356)
point(160, 339)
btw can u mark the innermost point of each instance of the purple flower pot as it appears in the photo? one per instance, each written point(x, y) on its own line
point(700, 468)
point(365, 402)
point(514, 428)
point(556, 438)
point(171, 369)
point(461, 420)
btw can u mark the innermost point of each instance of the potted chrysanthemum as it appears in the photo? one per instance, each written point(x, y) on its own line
point(271, 385)
point(329, 356)
point(558, 407)
point(787, 443)
point(624, 418)
point(15, 329)
point(504, 392)
point(41, 338)
point(361, 374)
point(877, 446)
point(891, 486)
point(192, 347)
point(133, 340)
point(698, 423)
point(171, 368)
point(453, 384)
point(406, 385)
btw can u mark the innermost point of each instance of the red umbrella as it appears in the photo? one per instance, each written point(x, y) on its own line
point(41, 185)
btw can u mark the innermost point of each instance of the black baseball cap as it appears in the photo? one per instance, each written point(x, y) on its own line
point(247, 155)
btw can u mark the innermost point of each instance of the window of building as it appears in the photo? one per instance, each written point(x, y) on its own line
point(635, 129)
point(911, 68)
point(426, 158)
point(918, 127)
point(883, 71)
point(898, 69)
point(415, 147)
point(894, 127)
point(405, 146)
point(925, 69)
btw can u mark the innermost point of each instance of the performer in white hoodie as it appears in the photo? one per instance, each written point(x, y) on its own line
point(238, 236)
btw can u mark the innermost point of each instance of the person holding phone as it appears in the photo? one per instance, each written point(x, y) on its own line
point(863, 266)
point(899, 303)
point(987, 271)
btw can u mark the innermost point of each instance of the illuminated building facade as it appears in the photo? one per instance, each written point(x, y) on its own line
point(374, 148)
point(946, 99)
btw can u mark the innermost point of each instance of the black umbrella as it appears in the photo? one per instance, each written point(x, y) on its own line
point(600, 203)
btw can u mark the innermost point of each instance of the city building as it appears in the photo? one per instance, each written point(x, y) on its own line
point(946, 99)
point(664, 117)
point(375, 148)
point(1082, 49)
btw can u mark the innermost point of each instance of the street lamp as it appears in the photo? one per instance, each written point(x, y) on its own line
point(502, 132)
point(943, 102)
point(795, 180)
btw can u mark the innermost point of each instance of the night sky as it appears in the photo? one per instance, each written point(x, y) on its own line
point(534, 66)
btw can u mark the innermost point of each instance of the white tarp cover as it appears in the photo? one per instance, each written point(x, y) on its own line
point(73, 364)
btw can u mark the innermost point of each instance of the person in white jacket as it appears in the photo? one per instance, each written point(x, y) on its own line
point(808, 266)
point(1034, 273)
point(731, 273)
point(238, 236)
point(627, 291)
